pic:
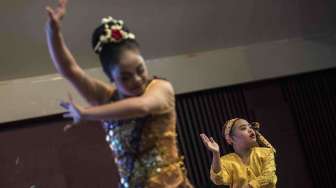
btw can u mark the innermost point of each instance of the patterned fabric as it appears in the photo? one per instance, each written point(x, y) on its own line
point(145, 149)
point(262, 141)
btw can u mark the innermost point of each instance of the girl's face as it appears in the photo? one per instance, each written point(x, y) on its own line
point(130, 75)
point(243, 135)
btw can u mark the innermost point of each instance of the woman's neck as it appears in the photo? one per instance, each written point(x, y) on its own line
point(244, 154)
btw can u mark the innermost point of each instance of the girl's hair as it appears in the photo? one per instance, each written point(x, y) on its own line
point(228, 147)
point(110, 52)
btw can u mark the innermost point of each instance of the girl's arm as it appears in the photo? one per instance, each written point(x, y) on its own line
point(94, 91)
point(158, 98)
point(219, 175)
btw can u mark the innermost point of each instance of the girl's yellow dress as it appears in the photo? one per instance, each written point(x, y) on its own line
point(260, 172)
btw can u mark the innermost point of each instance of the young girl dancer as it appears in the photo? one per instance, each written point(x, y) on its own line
point(138, 111)
point(251, 165)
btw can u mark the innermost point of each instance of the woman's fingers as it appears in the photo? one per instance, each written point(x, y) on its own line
point(65, 105)
point(58, 12)
point(62, 3)
point(61, 8)
point(67, 115)
point(67, 127)
point(50, 13)
point(204, 137)
point(205, 140)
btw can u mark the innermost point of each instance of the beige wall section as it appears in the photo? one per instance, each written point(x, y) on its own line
point(288, 57)
point(39, 96)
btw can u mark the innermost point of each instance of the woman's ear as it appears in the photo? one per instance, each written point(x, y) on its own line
point(229, 140)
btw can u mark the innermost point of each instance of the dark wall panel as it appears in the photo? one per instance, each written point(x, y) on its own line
point(312, 100)
point(36, 154)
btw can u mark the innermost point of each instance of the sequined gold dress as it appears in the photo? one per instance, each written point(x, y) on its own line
point(145, 149)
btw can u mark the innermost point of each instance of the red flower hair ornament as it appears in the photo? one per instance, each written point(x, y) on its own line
point(112, 34)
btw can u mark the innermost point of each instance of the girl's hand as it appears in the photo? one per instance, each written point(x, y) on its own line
point(55, 15)
point(210, 143)
point(74, 111)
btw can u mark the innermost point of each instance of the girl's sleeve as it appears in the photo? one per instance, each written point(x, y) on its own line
point(268, 176)
point(223, 177)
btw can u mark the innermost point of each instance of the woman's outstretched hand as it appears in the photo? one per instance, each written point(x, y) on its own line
point(210, 143)
point(55, 15)
point(74, 111)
